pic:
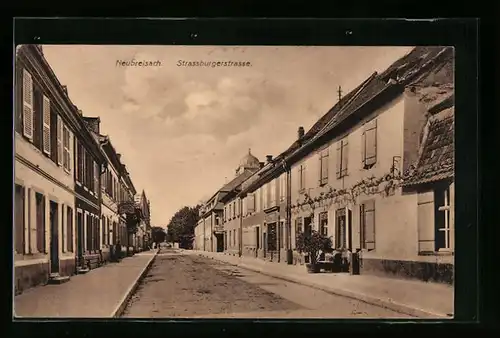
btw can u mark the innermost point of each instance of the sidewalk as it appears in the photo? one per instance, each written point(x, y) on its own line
point(419, 299)
point(100, 293)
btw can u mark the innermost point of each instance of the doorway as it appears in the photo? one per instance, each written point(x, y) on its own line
point(54, 238)
point(80, 235)
point(220, 242)
point(343, 226)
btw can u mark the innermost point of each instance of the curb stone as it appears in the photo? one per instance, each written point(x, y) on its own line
point(391, 305)
point(123, 303)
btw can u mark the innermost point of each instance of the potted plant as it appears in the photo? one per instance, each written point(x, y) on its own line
point(312, 244)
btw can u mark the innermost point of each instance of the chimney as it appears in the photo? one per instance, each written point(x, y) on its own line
point(80, 112)
point(269, 158)
point(300, 133)
point(93, 123)
point(119, 156)
point(65, 88)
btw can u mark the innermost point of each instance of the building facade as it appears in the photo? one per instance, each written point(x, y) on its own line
point(348, 184)
point(44, 207)
point(375, 174)
point(90, 163)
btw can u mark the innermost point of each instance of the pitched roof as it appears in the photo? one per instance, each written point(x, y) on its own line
point(325, 119)
point(237, 181)
point(437, 154)
point(400, 72)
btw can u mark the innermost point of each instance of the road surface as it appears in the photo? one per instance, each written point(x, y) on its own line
point(188, 286)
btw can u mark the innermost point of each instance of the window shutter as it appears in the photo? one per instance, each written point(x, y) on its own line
point(369, 220)
point(70, 149)
point(96, 178)
point(59, 141)
point(46, 125)
point(320, 174)
point(251, 203)
point(27, 105)
point(344, 157)
point(339, 160)
point(370, 142)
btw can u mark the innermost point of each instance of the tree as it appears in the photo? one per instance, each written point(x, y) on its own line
point(158, 234)
point(181, 226)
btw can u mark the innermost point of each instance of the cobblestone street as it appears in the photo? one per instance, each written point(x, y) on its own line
point(181, 285)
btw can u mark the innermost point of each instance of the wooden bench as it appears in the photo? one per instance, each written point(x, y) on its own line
point(92, 261)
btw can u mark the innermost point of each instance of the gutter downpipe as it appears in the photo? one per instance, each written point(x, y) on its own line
point(289, 252)
point(240, 202)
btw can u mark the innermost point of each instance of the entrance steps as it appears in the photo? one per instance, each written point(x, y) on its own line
point(55, 278)
point(82, 271)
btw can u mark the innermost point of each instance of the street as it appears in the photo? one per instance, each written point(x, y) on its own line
point(196, 287)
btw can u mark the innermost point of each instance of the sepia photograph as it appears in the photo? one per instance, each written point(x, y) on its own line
point(211, 181)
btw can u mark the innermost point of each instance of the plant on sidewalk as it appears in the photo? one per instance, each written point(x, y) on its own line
point(312, 244)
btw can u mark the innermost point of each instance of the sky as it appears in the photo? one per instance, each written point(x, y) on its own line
point(182, 130)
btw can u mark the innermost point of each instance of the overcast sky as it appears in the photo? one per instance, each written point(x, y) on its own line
point(183, 130)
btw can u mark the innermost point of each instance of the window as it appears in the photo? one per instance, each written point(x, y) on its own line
point(244, 206)
point(46, 125)
point(257, 200)
point(96, 178)
point(103, 229)
point(66, 148)
point(251, 203)
point(234, 209)
point(88, 219)
point(298, 228)
point(115, 233)
point(27, 105)
point(342, 158)
point(97, 222)
point(19, 219)
point(280, 237)
point(443, 222)
point(79, 159)
point(282, 183)
point(257, 237)
point(367, 226)
point(302, 177)
point(342, 217)
point(273, 193)
point(323, 167)
point(230, 238)
point(84, 166)
point(265, 196)
point(369, 144)
point(323, 223)
point(63, 229)
point(40, 222)
point(69, 225)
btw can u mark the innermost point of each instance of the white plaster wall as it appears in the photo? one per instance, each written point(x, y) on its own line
point(396, 233)
point(34, 182)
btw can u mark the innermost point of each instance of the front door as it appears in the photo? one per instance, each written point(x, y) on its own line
point(340, 229)
point(220, 242)
point(54, 237)
point(80, 235)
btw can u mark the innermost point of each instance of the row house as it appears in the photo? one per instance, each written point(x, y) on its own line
point(47, 129)
point(128, 210)
point(264, 214)
point(112, 223)
point(59, 167)
point(375, 174)
point(142, 236)
point(219, 227)
point(233, 204)
point(89, 165)
point(199, 234)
